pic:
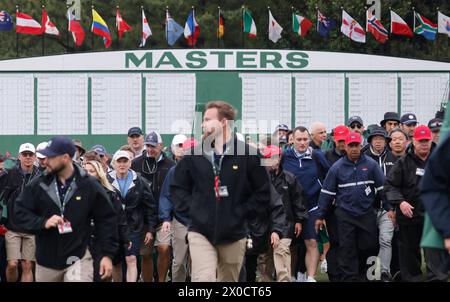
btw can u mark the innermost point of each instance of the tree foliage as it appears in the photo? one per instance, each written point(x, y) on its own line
point(207, 17)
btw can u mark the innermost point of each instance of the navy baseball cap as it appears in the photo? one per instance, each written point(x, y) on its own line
point(59, 145)
point(355, 119)
point(99, 149)
point(135, 131)
point(435, 124)
point(408, 118)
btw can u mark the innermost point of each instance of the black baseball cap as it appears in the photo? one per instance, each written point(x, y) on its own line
point(135, 131)
point(59, 145)
point(355, 119)
point(435, 124)
point(408, 118)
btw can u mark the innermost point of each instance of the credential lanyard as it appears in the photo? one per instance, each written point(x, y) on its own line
point(216, 170)
point(66, 199)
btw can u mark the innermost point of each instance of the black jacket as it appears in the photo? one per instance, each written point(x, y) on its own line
point(290, 191)
point(12, 183)
point(124, 232)
point(261, 227)
point(332, 156)
point(87, 200)
point(402, 184)
point(154, 172)
point(192, 192)
point(436, 188)
point(139, 204)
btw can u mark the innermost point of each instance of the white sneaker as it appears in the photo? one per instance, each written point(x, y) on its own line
point(301, 277)
point(323, 266)
point(311, 279)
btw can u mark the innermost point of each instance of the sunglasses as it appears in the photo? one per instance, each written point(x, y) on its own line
point(353, 126)
point(27, 154)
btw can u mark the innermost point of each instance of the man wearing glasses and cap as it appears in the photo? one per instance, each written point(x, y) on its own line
point(355, 124)
point(20, 245)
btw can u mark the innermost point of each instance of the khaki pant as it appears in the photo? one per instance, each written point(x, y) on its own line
point(277, 260)
point(20, 246)
point(220, 263)
point(180, 252)
point(81, 271)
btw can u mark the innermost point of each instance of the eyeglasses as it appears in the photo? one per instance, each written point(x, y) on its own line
point(353, 126)
point(27, 154)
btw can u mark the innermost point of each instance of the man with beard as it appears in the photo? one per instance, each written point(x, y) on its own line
point(58, 208)
point(220, 187)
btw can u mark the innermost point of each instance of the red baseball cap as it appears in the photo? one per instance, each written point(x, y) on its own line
point(271, 151)
point(190, 143)
point(353, 137)
point(422, 132)
point(340, 133)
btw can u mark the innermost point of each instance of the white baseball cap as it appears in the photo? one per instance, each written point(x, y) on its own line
point(41, 147)
point(121, 154)
point(27, 147)
point(178, 139)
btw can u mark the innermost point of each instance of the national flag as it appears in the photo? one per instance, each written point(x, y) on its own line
point(146, 30)
point(351, 28)
point(75, 28)
point(221, 29)
point(121, 25)
point(324, 24)
point(27, 25)
point(425, 27)
point(300, 25)
point(49, 27)
point(173, 30)
point(375, 27)
point(100, 28)
point(443, 24)
point(249, 25)
point(275, 29)
point(6, 23)
point(399, 26)
point(191, 29)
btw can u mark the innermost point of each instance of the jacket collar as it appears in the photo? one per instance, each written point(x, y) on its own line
point(50, 186)
point(115, 183)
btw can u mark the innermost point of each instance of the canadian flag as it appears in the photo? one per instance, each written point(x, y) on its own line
point(121, 25)
point(27, 25)
point(399, 26)
point(49, 27)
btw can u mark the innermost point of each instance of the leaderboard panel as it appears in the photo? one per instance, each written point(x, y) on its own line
point(116, 102)
point(17, 103)
point(371, 95)
point(319, 97)
point(62, 104)
point(266, 101)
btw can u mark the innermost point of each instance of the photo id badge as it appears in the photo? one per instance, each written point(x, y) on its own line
point(420, 172)
point(65, 228)
point(223, 191)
